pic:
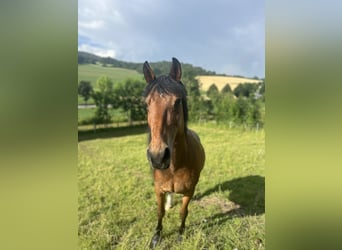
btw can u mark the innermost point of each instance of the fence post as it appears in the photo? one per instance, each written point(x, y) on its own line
point(94, 127)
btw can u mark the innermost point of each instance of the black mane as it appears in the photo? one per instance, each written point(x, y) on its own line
point(166, 85)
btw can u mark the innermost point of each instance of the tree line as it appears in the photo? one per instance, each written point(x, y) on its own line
point(245, 105)
point(126, 96)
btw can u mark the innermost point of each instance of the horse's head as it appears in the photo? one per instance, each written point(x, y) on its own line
point(165, 98)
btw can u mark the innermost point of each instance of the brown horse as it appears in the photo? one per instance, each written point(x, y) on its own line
point(174, 151)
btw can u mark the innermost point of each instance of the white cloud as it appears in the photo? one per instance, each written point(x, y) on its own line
point(95, 24)
point(233, 69)
point(97, 51)
point(153, 30)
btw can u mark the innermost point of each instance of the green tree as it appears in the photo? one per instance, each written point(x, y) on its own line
point(254, 113)
point(240, 110)
point(103, 96)
point(207, 108)
point(212, 91)
point(192, 87)
point(129, 96)
point(247, 111)
point(245, 89)
point(194, 98)
point(85, 90)
point(223, 108)
point(226, 89)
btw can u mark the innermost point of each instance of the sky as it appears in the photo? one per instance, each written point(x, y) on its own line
point(225, 36)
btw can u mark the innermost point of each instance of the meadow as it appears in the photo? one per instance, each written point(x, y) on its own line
point(117, 204)
point(91, 72)
point(118, 115)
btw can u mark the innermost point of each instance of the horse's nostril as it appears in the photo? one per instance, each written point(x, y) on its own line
point(160, 159)
point(166, 155)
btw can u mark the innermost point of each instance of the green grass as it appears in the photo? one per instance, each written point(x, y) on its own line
point(87, 113)
point(117, 205)
point(91, 72)
point(80, 100)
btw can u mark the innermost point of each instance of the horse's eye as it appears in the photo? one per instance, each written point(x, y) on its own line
point(177, 103)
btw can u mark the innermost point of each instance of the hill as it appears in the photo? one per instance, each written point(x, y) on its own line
point(91, 72)
point(206, 81)
point(88, 58)
point(91, 66)
point(159, 68)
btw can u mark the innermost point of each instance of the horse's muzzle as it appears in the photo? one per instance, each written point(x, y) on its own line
point(159, 160)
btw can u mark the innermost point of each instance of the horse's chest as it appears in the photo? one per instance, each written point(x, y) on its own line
point(181, 182)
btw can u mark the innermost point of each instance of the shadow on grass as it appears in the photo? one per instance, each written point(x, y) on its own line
point(248, 193)
point(112, 132)
point(246, 196)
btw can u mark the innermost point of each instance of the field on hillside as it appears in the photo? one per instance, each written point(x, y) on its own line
point(91, 72)
point(220, 81)
point(117, 205)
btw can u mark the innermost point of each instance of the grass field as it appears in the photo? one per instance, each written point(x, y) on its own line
point(87, 113)
point(220, 81)
point(117, 205)
point(91, 72)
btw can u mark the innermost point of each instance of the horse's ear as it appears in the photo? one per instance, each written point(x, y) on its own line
point(148, 73)
point(176, 70)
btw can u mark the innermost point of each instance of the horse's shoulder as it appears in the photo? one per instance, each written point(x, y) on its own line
point(195, 149)
point(193, 135)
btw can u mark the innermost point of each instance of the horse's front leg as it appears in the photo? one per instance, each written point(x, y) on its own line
point(161, 212)
point(168, 203)
point(183, 214)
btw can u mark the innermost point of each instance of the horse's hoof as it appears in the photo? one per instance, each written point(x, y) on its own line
point(155, 240)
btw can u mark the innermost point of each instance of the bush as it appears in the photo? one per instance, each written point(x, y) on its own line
point(85, 90)
point(129, 96)
point(103, 96)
